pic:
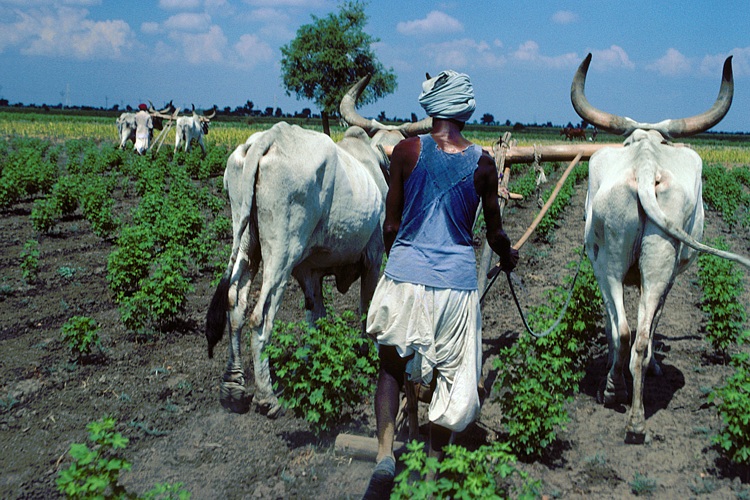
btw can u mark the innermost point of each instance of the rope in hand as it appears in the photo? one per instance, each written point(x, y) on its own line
point(492, 275)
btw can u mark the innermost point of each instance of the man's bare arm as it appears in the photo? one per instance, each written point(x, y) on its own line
point(485, 183)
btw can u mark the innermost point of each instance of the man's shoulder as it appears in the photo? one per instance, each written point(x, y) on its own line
point(408, 148)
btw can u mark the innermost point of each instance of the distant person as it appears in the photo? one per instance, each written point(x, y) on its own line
point(425, 311)
point(144, 127)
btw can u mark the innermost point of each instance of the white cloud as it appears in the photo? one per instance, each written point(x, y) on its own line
point(673, 63)
point(250, 51)
point(564, 17)
point(528, 52)
point(711, 65)
point(187, 21)
point(179, 4)
point(199, 48)
point(462, 54)
point(613, 57)
point(150, 28)
point(435, 22)
point(288, 3)
point(67, 32)
point(268, 14)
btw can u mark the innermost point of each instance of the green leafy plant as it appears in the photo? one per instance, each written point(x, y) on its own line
point(45, 214)
point(483, 473)
point(537, 377)
point(722, 285)
point(642, 485)
point(7, 404)
point(97, 205)
point(320, 369)
point(95, 471)
point(733, 404)
point(30, 261)
point(723, 192)
point(81, 334)
point(161, 295)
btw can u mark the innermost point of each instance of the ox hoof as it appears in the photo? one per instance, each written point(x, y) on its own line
point(636, 437)
point(270, 408)
point(611, 398)
point(234, 397)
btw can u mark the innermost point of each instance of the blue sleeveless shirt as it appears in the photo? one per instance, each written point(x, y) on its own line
point(434, 244)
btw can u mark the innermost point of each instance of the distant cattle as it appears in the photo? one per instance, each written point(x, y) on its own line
point(644, 220)
point(305, 207)
point(571, 133)
point(189, 128)
point(126, 123)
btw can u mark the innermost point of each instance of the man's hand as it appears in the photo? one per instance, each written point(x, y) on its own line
point(509, 262)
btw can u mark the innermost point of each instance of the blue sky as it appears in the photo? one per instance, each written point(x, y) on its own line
point(651, 59)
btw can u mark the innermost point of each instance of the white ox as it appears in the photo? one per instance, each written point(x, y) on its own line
point(307, 208)
point(644, 218)
point(188, 128)
point(127, 127)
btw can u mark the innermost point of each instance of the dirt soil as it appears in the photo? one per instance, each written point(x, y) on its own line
point(164, 391)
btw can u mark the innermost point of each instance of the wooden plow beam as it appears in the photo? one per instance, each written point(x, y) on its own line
point(554, 152)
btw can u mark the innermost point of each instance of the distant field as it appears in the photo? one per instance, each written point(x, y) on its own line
point(228, 132)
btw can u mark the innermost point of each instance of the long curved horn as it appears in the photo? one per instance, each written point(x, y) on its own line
point(670, 128)
point(208, 117)
point(348, 110)
point(618, 125)
point(704, 121)
point(423, 126)
point(167, 109)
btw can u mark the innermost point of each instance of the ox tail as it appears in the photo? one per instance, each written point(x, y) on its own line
point(647, 197)
point(254, 152)
point(216, 318)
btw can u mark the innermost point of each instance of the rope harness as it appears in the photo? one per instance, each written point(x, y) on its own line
point(492, 275)
point(513, 278)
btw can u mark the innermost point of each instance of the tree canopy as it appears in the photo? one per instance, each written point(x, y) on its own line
point(331, 54)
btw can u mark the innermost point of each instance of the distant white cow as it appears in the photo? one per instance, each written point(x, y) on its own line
point(127, 126)
point(188, 128)
point(307, 208)
point(644, 217)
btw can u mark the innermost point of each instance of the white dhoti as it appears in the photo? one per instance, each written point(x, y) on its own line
point(443, 329)
point(141, 143)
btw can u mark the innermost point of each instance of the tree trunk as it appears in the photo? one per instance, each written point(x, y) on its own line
point(326, 126)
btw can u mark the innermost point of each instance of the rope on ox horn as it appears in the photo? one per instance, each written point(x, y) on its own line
point(495, 271)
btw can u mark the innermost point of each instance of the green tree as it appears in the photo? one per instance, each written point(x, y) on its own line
point(331, 54)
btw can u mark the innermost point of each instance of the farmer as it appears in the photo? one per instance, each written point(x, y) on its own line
point(143, 129)
point(425, 311)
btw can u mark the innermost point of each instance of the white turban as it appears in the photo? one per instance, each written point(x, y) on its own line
point(449, 95)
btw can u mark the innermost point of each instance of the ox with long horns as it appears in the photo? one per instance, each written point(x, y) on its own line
point(384, 137)
point(188, 128)
point(644, 220)
point(304, 207)
point(126, 123)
